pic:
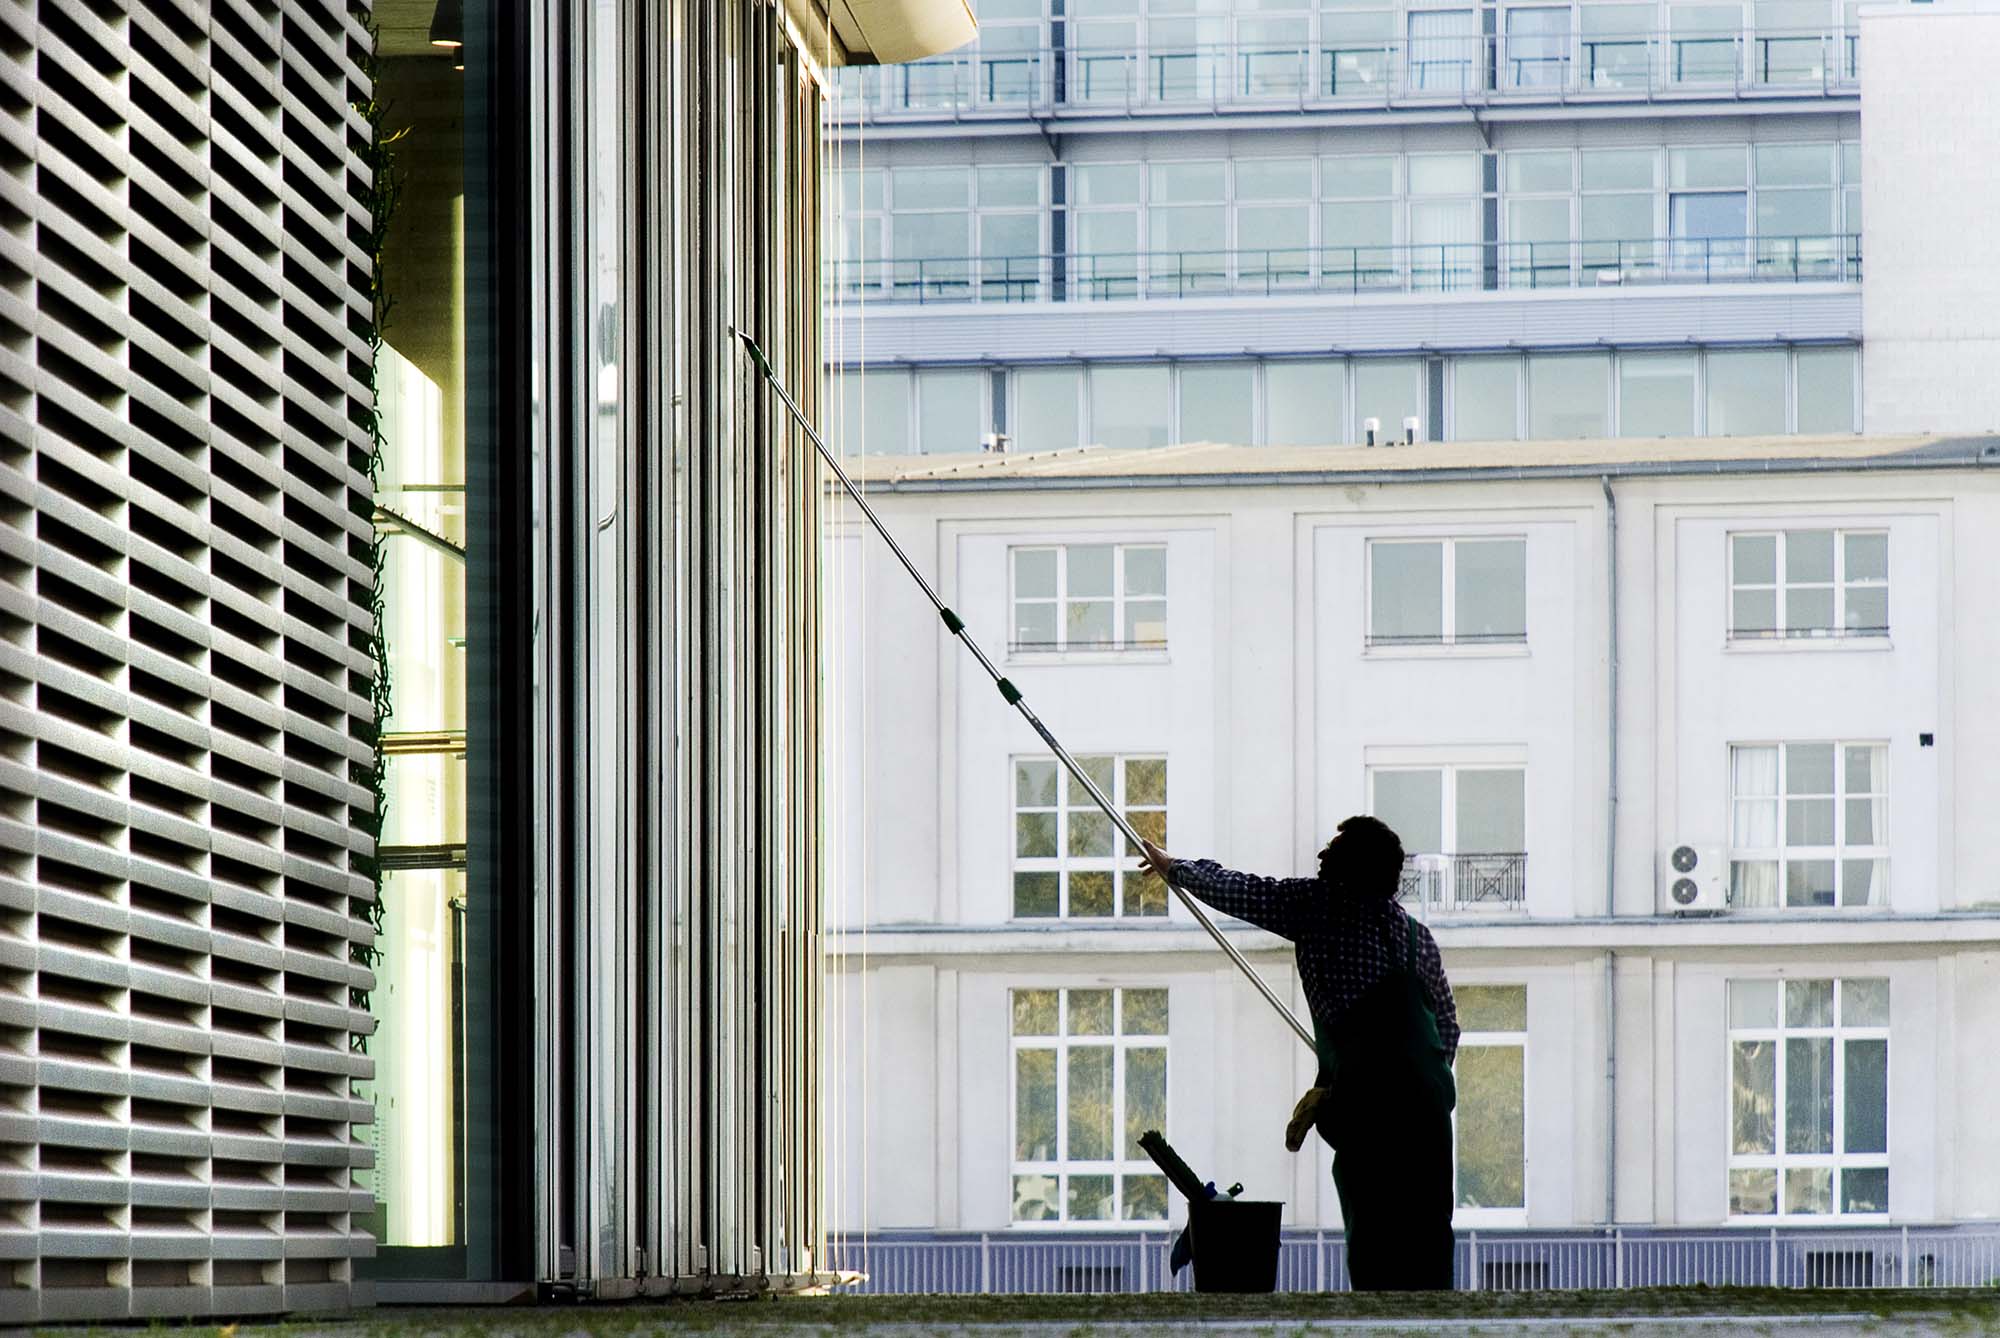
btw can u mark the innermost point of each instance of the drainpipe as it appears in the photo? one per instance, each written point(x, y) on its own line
point(1611, 859)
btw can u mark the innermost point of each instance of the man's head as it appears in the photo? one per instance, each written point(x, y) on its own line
point(1365, 859)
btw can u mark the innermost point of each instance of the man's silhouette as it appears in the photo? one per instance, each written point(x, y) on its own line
point(1387, 1034)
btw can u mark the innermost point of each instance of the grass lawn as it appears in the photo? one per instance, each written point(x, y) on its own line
point(1743, 1309)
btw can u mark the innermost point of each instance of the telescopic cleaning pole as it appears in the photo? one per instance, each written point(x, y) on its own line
point(956, 626)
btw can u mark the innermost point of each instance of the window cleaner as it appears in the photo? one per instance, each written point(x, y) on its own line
point(1008, 692)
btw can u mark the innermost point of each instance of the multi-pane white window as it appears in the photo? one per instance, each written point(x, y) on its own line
point(1809, 583)
point(1090, 1077)
point(1452, 810)
point(1090, 597)
point(1809, 1098)
point(1491, 1120)
point(1447, 592)
point(1068, 858)
point(1808, 825)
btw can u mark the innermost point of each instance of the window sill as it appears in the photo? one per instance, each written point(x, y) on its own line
point(1849, 645)
point(1031, 658)
point(1508, 650)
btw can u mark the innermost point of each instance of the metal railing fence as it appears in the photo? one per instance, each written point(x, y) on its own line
point(1790, 1256)
point(1481, 883)
point(1117, 75)
point(1278, 271)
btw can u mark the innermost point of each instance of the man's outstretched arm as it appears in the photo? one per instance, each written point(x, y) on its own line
point(1276, 904)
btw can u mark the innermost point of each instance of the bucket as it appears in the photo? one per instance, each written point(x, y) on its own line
point(1235, 1244)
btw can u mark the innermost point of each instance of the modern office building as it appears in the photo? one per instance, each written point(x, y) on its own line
point(408, 700)
point(1687, 740)
point(1253, 223)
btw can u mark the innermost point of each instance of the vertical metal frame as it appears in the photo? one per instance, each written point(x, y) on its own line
point(675, 624)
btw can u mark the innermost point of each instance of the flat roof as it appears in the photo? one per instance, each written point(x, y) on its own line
point(1207, 462)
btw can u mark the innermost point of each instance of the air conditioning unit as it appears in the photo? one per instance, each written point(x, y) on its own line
point(1693, 881)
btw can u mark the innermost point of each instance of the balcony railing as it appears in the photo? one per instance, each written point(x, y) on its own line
point(1803, 1256)
point(1483, 884)
point(1464, 267)
point(1084, 80)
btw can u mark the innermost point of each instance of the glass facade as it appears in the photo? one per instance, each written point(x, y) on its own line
point(1306, 401)
point(431, 982)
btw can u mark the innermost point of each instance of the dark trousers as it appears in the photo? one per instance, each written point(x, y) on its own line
point(1392, 1167)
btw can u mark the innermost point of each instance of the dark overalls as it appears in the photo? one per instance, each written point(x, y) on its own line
point(1389, 1125)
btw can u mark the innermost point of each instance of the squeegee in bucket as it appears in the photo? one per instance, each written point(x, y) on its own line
point(1012, 695)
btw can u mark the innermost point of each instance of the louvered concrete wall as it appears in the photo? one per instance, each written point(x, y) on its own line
point(183, 583)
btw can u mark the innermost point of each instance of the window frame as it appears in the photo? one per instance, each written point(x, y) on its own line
point(1449, 772)
point(1062, 599)
point(1120, 865)
point(1447, 642)
point(1471, 1039)
point(1781, 1161)
point(1839, 584)
point(1061, 1167)
point(1839, 852)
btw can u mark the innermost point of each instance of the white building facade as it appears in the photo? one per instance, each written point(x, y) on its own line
point(1550, 669)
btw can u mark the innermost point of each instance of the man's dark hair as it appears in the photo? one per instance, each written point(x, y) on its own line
point(1365, 859)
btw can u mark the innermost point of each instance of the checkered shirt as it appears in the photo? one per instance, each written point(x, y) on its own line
point(1345, 943)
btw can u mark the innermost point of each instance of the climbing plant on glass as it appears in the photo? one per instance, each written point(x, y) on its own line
point(380, 192)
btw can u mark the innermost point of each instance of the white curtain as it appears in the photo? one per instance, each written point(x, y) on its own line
point(1753, 784)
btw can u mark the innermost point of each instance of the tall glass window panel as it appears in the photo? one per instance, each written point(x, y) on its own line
point(1105, 213)
point(1444, 51)
point(1187, 224)
point(1850, 195)
point(1048, 408)
point(1707, 210)
point(1825, 395)
point(1273, 223)
point(1656, 394)
point(1358, 222)
point(1798, 211)
point(930, 230)
point(1490, 1122)
point(1793, 43)
point(1746, 392)
point(1446, 250)
point(1485, 399)
point(1491, 815)
point(1406, 592)
point(1703, 43)
point(950, 411)
point(1489, 591)
point(1617, 213)
point(875, 413)
point(1011, 264)
point(1131, 407)
point(1809, 1098)
point(1216, 402)
point(1089, 1078)
point(1537, 51)
point(1305, 403)
point(1616, 47)
point(1389, 390)
point(1411, 802)
point(1568, 396)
